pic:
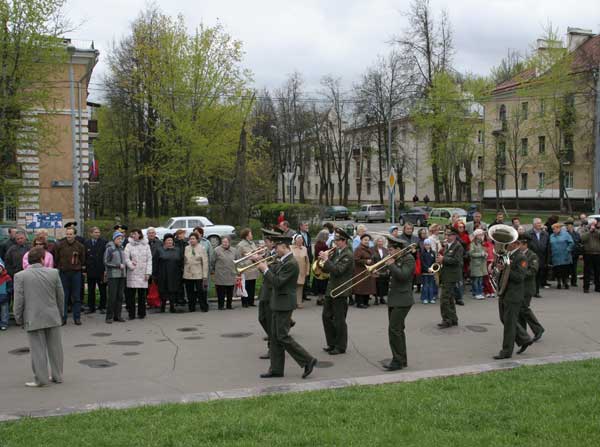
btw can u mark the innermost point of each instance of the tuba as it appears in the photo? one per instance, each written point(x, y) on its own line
point(502, 236)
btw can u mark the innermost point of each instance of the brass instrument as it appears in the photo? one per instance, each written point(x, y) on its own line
point(435, 267)
point(269, 260)
point(369, 270)
point(256, 252)
point(317, 266)
point(502, 235)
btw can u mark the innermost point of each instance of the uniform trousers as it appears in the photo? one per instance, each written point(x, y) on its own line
point(282, 342)
point(527, 317)
point(334, 322)
point(396, 335)
point(448, 298)
point(46, 346)
point(513, 331)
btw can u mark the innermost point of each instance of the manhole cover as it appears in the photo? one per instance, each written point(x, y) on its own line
point(130, 354)
point(97, 363)
point(195, 337)
point(187, 329)
point(435, 330)
point(126, 343)
point(160, 340)
point(323, 364)
point(101, 334)
point(475, 328)
point(84, 345)
point(19, 351)
point(200, 325)
point(237, 334)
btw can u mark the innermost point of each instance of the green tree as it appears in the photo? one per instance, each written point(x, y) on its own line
point(31, 53)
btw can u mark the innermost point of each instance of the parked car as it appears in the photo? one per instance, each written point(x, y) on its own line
point(442, 215)
point(212, 232)
point(418, 216)
point(370, 213)
point(336, 212)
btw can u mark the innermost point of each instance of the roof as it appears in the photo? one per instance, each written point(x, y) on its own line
point(585, 57)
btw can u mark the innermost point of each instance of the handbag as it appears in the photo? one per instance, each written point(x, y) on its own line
point(153, 295)
point(240, 287)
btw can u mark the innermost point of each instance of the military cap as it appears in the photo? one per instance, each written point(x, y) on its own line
point(120, 227)
point(341, 235)
point(395, 242)
point(282, 240)
point(70, 224)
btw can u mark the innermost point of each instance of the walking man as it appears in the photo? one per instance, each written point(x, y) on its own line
point(340, 268)
point(526, 316)
point(283, 278)
point(39, 307)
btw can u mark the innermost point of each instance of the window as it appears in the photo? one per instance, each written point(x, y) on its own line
point(568, 179)
point(316, 189)
point(446, 214)
point(524, 150)
point(501, 155)
point(8, 212)
point(568, 141)
point(523, 185)
point(541, 180)
point(368, 187)
point(369, 164)
point(542, 144)
point(179, 223)
point(193, 223)
point(480, 162)
point(524, 110)
point(480, 136)
point(502, 182)
point(502, 113)
point(542, 107)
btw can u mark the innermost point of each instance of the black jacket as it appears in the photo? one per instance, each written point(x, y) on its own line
point(94, 257)
point(540, 247)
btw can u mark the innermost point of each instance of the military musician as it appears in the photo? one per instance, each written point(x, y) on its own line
point(340, 266)
point(526, 316)
point(451, 273)
point(400, 301)
point(283, 277)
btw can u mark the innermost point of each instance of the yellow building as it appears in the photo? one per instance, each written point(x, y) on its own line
point(528, 149)
point(54, 179)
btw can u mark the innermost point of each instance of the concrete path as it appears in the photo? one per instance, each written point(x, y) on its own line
point(167, 357)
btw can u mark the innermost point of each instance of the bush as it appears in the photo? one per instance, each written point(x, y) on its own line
point(267, 213)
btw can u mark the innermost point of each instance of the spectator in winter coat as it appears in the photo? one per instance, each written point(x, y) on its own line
point(138, 258)
point(114, 261)
point(95, 270)
point(195, 273)
point(69, 258)
point(478, 255)
point(591, 256)
point(429, 287)
point(5, 288)
point(167, 269)
point(561, 252)
point(577, 250)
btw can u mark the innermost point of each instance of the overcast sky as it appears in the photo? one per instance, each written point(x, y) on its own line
point(339, 37)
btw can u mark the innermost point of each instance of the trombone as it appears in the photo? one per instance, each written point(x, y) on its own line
point(269, 260)
point(369, 270)
point(258, 251)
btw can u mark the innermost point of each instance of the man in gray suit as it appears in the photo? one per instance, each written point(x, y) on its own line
point(39, 304)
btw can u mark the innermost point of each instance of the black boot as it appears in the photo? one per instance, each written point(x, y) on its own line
point(172, 307)
point(351, 301)
point(376, 301)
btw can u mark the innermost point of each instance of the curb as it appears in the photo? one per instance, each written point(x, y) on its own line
point(243, 393)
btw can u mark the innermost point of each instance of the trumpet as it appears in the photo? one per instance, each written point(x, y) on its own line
point(369, 270)
point(258, 251)
point(435, 267)
point(269, 260)
point(317, 266)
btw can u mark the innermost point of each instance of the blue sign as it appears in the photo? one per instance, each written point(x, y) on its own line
point(36, 221)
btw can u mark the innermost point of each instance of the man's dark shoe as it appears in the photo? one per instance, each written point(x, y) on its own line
point(444, 325)
point(109, 321)
point(270, 374)
point(102, 311)
point(586, 290)
point(460, 303)
point(119, 320)
point(292, 323)
point(538, 335)
point(336, 351)
point(524, 347)
point(382, 301)
point(537, 296)
point(309, 368)
point(392, 366)
point(501, 356)
point(328, 348)
point(77, 322)
point(90, 311)
point(264, 356)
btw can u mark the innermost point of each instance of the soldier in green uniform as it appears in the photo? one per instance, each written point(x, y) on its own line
point(510, 302)
point(266, 290)
point(340, 267)
point(283, 277)
point(400, 300)
point(451, 274)
point(526, 316)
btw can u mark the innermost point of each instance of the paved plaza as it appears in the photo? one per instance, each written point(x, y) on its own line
point(167, 356)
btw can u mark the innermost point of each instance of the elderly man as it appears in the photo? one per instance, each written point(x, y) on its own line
point(12, 233)
point(69, 259)
point(287, 231)
point(14, 255)
point(94, 267)
point(39, 305)
point(540, 245)
point(591, 256)
point(476, 223)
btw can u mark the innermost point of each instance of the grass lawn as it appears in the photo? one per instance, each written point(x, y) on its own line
point(554, 405)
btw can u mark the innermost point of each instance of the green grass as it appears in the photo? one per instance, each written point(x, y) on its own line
point(553, 405)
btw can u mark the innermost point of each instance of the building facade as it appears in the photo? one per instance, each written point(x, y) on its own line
point(54, 178)
point(530, 152)
point(411, 151)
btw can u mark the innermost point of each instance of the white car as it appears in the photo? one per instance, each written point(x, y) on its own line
point(212, 232)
